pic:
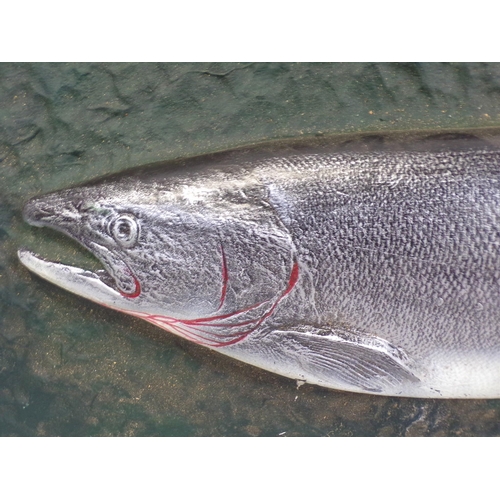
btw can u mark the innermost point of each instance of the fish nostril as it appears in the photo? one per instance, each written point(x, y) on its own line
point(77, 203)
point(35, 212)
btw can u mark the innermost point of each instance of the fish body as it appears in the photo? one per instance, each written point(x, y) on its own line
point(373, 271)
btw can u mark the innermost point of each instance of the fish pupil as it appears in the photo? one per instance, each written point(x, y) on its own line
point(124, 229)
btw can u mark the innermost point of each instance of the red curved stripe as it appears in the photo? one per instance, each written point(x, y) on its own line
point(224, 278)
point(198, 329)
point(136, 292)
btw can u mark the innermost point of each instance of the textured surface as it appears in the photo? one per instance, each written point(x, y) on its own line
point(68, 367)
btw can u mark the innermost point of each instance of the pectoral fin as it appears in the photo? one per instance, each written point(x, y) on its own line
point(339, 358)
point(368, 363)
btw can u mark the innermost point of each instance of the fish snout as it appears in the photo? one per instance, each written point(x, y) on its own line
point(36, 212)
point(49, 211)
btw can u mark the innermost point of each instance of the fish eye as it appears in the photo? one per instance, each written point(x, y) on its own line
point(125, 230)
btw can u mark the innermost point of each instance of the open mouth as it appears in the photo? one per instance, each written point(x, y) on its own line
point(108, 286)
point(97, 286)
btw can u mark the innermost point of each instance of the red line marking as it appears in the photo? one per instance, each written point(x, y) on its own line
point(136, 292)
point(210, 319)
point(189, 328)
point(224, 278)
point(294, 276)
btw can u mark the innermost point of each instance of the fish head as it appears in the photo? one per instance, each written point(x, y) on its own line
point(166, 252)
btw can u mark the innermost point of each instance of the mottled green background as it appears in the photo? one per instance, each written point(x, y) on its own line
point(69, 367)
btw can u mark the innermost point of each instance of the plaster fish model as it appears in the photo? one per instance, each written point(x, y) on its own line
point(374, 272)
